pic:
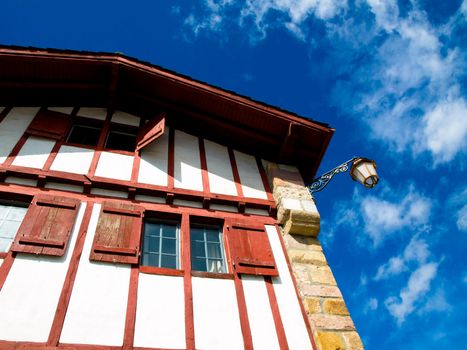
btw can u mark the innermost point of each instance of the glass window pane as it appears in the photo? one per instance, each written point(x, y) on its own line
point(198, 264)
point(151, 260)
point(212, 235)
point(169, 261)
point(121, 141)
point(84, 135)
point(215, 265)
point(5, 244)
point(168, 246)
point(153, 244)
point(214, 250)
point(198, 249)
point(169, 231)
point(197, 234)
point(152, 229)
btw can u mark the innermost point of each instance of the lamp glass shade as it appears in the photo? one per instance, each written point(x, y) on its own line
point(364, 171)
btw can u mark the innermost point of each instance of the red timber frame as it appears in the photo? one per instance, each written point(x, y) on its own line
point(132, 187)
point(186, 215)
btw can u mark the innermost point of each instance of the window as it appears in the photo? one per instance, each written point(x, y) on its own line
point(11, 216)
point(84, 135)
point(124, 141)
point(161, 244)
point(207, 253)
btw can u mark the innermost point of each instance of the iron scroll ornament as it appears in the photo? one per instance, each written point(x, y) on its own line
point(321, 182)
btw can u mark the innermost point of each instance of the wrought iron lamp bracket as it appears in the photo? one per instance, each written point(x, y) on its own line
point(321, 182)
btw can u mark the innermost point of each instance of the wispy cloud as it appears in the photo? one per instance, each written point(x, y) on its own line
point(381, 216)
point(416, 251)
point(417, 287)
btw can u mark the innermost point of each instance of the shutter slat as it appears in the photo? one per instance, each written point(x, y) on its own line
point(118, 233)
point(251, 250)
point(151, 131)
point(49, 124)
point(47, 226)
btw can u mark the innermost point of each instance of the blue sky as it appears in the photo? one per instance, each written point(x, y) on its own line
point(389, 76)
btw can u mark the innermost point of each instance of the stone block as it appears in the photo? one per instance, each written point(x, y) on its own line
point(332, 322)
point(352, 341)
point(335, 307)
point(302, 223)
point(312, 305)
point(329, 341)
point(321, 275)
point(308, 289)
point(302, 242)
point(307, 257)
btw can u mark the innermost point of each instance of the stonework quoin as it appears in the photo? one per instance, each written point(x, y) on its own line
point(331, 324)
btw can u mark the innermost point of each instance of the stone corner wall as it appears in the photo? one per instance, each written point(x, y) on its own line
point(332, 326)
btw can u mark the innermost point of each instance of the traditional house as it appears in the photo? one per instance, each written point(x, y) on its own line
point(142, 209)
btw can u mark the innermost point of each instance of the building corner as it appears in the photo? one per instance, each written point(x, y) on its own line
point(299, 220)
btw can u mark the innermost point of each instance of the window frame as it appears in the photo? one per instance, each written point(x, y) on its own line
point(222, 246)
point(178, 250)
point(88, 123)
point(20, 203)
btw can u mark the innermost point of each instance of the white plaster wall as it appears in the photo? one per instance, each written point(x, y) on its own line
point(1, 262)
point(153, 164)
point(256, 211)
point(223, 207)
point(216, 318)
point(220, 173)
point(29, 297)
point(187, 164)
point(186, 203)
point(20, 181)
point(64, 187)
point(1, 109)
point(97, 310)
point(250, 178)
point(144, 198)
point(94, 113)
point(34, 152)
point(160, 313)
point(115, 166)
point(289, 307)
point(13, 127)
point(65, 110)
point(72, 159)
point(125, 118)
point(263, 329)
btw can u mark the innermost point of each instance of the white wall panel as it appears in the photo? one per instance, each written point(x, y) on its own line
point(65, 110)
point(73, 160)
point(289, 307)
point(115, 166)
point(153, 165)
point(13, 127)
point(252, 184)
point(144, 198)
point(1, 262)
point(1, 109)
point(29, 297)
point(216, 318)
point(34, 152)
point(187, 164)
point(94, 113)
point(125, 118)
point(220, 173)
point(97, 310)
point(263, 329)
point(160, 313)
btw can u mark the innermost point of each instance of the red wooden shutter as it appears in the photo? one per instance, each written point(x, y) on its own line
point(118, 233)
point(49, 124)
point(250, 250)
point(151, 131)
point(47, 225)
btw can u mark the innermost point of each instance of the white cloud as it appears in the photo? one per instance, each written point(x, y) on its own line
point(462, 218)
point(458, 202)
point(416, 251)
point(371, 305)
point(382, 217)
point(386, 13)
point(411, 295)
point(436, 302)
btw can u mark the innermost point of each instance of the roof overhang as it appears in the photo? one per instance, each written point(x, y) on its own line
point(46, 77)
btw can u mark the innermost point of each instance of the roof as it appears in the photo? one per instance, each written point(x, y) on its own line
point(50, 77)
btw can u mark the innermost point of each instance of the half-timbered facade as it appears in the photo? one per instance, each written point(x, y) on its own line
point(136, 208)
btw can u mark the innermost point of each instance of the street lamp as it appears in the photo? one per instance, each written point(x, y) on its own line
point(363, 170)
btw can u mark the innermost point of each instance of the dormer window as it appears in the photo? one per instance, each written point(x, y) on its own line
point(121, 140)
